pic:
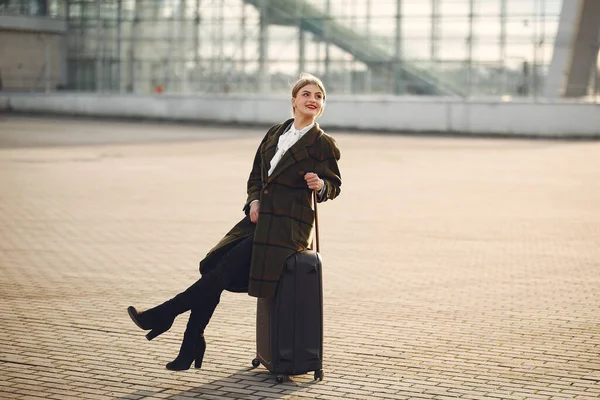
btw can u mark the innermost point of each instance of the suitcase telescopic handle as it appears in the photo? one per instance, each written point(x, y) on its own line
point(314, 201)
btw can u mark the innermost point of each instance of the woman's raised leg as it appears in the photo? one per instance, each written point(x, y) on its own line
point(235, 263)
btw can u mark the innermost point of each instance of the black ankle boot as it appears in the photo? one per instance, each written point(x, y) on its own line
point(192, 350)
point(160, 318)
point(193, 345)
point(157, 319)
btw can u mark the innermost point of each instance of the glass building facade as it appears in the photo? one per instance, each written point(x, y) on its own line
point(457, 47)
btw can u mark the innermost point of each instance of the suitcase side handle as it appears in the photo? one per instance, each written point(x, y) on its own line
point(314, 201)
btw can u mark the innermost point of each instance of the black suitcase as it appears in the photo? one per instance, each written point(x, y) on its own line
point(289, 325)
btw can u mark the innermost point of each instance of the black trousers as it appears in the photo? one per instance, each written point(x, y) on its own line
point(205, 294)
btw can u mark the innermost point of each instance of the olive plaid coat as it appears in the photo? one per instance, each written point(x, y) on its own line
point(286, 218)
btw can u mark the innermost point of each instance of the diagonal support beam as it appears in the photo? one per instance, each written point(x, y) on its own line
point(575, 49)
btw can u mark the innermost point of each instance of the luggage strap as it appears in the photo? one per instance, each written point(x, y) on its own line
point(314, 201)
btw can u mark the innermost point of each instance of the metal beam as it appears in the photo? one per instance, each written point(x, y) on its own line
point(575, 49)
point(503, 21)
point(99, 41)
point(301, 41)
point(326, 28)
point(263, 37)
point(119, 41)
point(399, 76)
point(435, 29)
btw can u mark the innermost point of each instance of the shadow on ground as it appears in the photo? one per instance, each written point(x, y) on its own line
point(254, 379)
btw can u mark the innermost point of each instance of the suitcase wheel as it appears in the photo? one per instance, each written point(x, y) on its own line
point(255, 362)
point(280, 378)
point(319, 375)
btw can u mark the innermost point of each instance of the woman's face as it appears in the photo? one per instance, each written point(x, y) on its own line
point(308, 101)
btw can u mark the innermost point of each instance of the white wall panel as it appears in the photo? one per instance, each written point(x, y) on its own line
point(402, 114)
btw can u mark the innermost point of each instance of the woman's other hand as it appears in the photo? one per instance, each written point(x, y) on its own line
point(313, 181)
point(254, 209)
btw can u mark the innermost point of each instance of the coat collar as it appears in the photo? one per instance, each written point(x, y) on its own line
point(295, 153)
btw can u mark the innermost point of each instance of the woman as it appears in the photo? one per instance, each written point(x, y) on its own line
point(294, 158)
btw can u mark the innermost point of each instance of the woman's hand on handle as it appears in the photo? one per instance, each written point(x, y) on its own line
point(313, 181)
point(254, 210)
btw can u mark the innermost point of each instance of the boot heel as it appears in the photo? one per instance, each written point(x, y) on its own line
point(156, 331)
point(200, 349)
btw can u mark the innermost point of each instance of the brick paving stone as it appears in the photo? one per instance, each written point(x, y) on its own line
point(475, 397)
point(210, 397)
point(412, 396)
point(453, 267)
point(185, 396)
point(63, 397)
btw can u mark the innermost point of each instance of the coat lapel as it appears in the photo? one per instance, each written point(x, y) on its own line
point(296, 153)
point(270, 147)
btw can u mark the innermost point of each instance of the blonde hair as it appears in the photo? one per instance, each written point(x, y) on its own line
point(308, 79)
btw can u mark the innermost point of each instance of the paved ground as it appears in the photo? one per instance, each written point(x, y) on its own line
point(454, 268)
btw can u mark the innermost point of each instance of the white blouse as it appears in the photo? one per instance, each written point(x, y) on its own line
point(287, 140)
